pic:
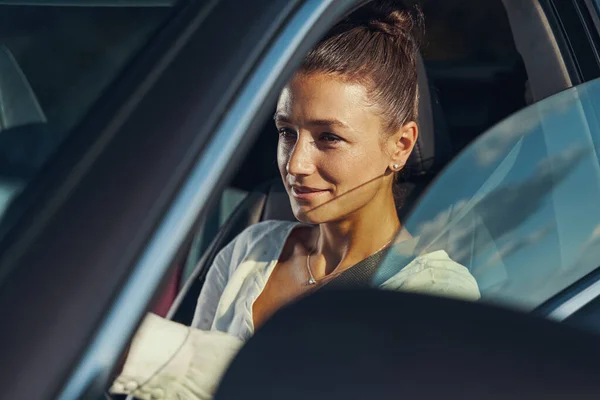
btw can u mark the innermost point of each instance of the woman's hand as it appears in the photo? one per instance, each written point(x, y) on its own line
point(167, 360)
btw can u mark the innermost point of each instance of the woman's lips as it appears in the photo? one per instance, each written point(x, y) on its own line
point(306, 193)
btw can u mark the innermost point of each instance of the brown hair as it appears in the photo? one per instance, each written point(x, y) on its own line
point(376, 45)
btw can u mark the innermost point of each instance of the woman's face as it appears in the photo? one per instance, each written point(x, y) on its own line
point(333, 157)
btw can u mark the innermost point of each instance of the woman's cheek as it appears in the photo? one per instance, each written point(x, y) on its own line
point(336, 167)
point(354, 169)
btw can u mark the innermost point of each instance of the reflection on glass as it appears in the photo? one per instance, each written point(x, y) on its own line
point(519, 208)
point(56, 61)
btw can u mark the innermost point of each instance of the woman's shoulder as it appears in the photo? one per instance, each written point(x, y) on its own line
point(437, 274)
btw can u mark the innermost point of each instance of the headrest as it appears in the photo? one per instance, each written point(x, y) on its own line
point(18, 104)
point(432, 150)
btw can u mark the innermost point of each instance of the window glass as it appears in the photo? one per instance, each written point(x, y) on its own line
point(519, 208)
point(55, 62)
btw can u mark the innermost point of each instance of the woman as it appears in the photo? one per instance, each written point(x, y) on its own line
point(346, 124)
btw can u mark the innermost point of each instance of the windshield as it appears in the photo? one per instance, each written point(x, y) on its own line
point(519, 207)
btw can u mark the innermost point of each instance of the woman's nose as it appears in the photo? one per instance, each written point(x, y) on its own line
point(300, 161)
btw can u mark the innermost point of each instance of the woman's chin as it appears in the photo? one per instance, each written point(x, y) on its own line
point(304, 218)
point(310, 215)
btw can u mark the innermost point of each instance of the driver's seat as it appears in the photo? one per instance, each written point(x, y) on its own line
point(270, 201)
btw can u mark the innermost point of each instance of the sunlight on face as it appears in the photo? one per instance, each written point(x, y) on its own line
point(331, 155)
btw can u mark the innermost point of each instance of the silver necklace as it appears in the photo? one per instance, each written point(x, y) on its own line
point(311, 278)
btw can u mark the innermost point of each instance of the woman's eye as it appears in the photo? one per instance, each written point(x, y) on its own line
point(330, 138)
point(286, 133)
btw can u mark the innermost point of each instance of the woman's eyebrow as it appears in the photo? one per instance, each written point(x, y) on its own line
point(321, 122)
point(327, 122)
point(281, 118)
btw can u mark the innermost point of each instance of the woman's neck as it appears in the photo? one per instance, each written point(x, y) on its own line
point(344, 243)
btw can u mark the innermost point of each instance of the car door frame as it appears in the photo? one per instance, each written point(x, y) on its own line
point(577, 21)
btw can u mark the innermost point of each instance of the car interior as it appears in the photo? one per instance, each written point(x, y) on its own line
point(467, 84)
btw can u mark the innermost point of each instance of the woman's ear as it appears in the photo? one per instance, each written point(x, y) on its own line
point(403, 143)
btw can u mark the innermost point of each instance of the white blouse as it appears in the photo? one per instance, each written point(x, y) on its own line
point(223, 317)
point(242, 269)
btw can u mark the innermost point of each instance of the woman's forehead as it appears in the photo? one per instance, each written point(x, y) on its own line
point(323, 97)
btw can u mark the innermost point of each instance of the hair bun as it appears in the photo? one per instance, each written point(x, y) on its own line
point(390, 17)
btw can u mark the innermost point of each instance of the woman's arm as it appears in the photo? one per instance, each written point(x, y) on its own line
point(216, 279)
point(211, 292)
point(163, 354)
point(172, 359)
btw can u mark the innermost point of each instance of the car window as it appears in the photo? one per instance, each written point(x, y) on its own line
point(519, 207)
point(55, 62)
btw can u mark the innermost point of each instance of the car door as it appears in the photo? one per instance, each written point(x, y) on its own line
point(99, 227)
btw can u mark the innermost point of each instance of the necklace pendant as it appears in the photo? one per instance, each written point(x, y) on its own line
point(311, 281)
